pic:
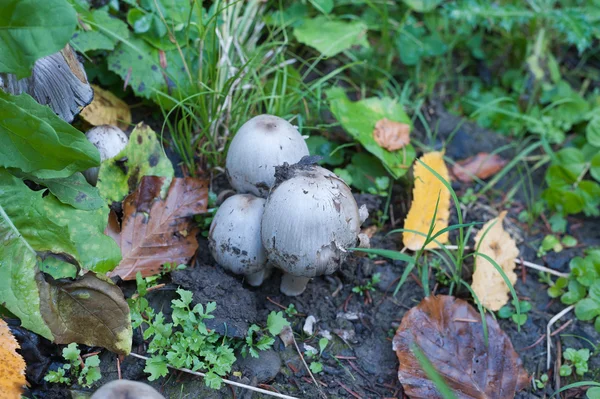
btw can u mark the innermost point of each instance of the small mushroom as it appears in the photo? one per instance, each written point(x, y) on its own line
point(125, 389)
point(262, 143)
point(110, 141)
point(310, 219)
point(234, 237)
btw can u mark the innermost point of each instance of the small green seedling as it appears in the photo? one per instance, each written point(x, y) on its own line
point(369, 286)
point(468, 197)
point(553, 243)
point(315, 365)
point(577, 359)
point(541, 383)
point(291, 310)
point(86, 376)
point(510, 311)
point(259, 339)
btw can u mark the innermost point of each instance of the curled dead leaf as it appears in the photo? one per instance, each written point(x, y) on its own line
point(107, 109)
point(391, 135)
point(156, 231)
point(449, 332)
point(482, 165)
point(493, 241)
point(12, 365)
point(425, 196)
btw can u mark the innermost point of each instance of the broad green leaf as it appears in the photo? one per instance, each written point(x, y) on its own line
point(364, 172)
point(324, 6)
point(275, 322)
point(422, 5)
point(592, 131)
point(583, 270)
point(330, 36)
point(139, 63)
point(102, 32)
point(48, 225)
point(572, 161)
point(145, 157)
point(73, 190)
point(595, 167)
point(413, 43)
point(58, 268)
point(575, 294)
point(18, 273)
point(35, 140)
point(32, 29)
point(319, 145)
point(359, 119)
point(587, 309)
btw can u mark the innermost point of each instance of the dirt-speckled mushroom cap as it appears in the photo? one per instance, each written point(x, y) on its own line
point(125, 389)
point(234, 235)
point(262, 143)
point(310, 219)
point(110, 141)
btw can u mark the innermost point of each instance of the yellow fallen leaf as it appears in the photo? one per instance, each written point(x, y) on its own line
point(107, 109)
point(425, 195)
point(12, 365)
point(391, 135)
point(496, 243)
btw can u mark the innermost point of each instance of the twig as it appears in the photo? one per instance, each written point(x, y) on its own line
point(357, 396)
point(306, 366)
point(119, 368)
point(228, 382)
point(154, 287)
point(549, 336)
point(541, 268)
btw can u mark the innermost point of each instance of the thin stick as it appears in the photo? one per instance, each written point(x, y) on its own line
point(228, 382)
point(549, 336)
point(305, 365)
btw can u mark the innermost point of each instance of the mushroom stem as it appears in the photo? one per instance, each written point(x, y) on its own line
point(256, 279)
point(293, 285)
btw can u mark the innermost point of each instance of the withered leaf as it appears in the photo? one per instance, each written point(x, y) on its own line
point(90, 310)
point(482, 165)
point(107, 109)
point(12, 365)
point(449, 332)
point(156, 231)
point(493, 241)
point(423, 208)
point(391, 135)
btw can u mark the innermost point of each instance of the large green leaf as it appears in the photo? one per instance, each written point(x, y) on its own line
point(423, 5)
point(138, 63)
point(145, 157)
point(330, 36)
point(48, 225)
point(35, 140)
point(32, 29)
point(73, 190)
point(102, 31)
point(359, 119)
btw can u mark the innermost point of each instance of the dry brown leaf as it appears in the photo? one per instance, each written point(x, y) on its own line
point(107, 109)
point(482, 165)
point(425, 195)
point(156, 231)
point(12, 365)
point(449, 332)
point(391, 135)
point(493, 241)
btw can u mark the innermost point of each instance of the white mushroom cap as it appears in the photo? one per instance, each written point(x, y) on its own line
point(234, 237)
point(110, 141)
point(310, 219)
point(125, 389)
point(262, 143)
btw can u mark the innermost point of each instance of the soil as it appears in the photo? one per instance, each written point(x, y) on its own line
point(359, 361)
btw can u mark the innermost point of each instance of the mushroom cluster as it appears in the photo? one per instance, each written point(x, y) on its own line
point(304, 226)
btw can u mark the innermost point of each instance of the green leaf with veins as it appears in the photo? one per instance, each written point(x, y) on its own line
point(35, 140)
point(359, 119)
point(275, 322)
point(144, 157)
point(48, 225)
point(330, 36)
point(32, 29)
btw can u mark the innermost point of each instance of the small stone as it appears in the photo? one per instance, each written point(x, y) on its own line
point(265, 367)
point(309, 325)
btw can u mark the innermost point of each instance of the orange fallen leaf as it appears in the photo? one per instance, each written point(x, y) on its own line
point(391, 135)
point(493, 241)
point(12, 365)
point(482, 165)
point(425, 195)
point(449, 332)
point(107, 109)
point(156, 231)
